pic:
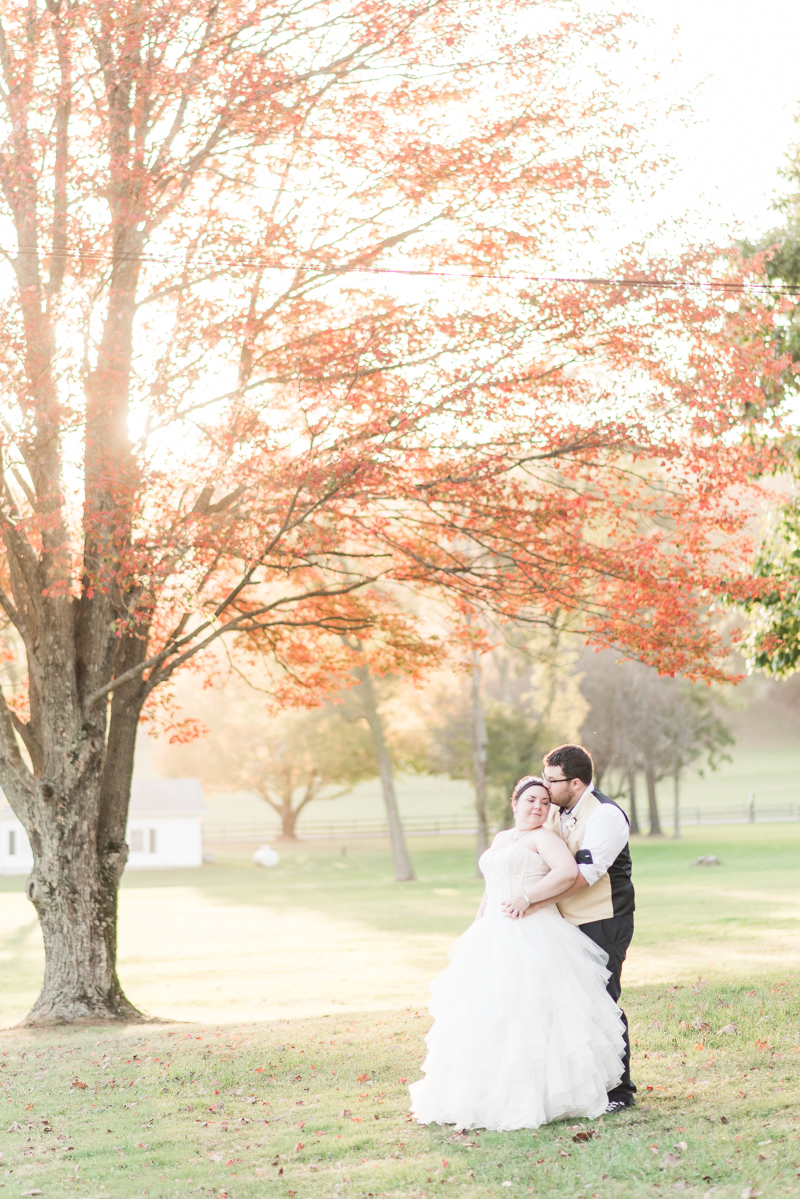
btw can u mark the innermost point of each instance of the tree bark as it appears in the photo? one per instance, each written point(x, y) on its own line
point(403, 869)
point(676, 799)
point(289, 822)
point(78, 861)
point(655, 824)
point(74, 891)
point(479, 746)
point(632, 798)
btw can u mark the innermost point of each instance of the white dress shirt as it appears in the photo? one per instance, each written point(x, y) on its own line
point(605, 835)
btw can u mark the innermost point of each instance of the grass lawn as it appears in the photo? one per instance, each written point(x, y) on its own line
point(298, 996)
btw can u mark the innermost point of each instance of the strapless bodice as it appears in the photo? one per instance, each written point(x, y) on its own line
point(509, 869)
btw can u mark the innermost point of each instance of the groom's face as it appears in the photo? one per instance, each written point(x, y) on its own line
point(563, 790)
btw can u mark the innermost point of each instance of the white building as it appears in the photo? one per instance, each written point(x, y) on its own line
point(165, 828)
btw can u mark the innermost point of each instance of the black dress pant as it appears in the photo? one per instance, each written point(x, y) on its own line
point(614, 936)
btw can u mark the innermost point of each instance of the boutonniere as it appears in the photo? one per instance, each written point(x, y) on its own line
point(570, 825)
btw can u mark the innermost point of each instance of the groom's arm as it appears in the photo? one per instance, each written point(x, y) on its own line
point(604, 837)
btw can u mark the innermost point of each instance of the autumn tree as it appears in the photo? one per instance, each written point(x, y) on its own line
point(290, 760)
point(229, 414)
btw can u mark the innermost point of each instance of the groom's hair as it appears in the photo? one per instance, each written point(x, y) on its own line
point(574, 760)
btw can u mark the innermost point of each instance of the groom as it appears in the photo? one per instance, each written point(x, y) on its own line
point(600, 900)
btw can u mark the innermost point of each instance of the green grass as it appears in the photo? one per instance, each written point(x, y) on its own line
point(328, 958)
point(318, 1107)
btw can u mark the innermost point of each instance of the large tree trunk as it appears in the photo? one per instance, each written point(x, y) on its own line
point(74, 891)
point(479, 745)
point(403, 869)
point(632, 797)
point(655, 824)
point(75, 815)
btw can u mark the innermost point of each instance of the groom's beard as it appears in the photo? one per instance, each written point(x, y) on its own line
point(556, 804)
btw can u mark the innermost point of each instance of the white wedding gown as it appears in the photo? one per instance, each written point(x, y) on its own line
point(524, 1030)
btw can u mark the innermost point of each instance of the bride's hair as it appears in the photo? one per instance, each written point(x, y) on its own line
point(530, 780)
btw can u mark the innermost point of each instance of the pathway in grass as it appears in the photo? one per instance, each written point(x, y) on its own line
point(318, 1107)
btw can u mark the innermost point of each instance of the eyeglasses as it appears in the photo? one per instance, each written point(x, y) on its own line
point(571, 778)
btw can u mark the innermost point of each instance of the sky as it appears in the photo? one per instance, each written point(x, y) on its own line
point(745, 57)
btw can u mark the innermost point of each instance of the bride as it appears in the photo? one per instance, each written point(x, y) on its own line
point(524, 1031)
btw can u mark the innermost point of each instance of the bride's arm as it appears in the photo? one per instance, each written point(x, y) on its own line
point(563, 869)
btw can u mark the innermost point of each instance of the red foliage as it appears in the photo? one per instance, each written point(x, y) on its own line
point(224, 421)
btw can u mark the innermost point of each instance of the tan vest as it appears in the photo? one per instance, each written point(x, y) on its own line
point(591, 903)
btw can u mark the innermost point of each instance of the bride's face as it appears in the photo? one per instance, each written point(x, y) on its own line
point(530, 810)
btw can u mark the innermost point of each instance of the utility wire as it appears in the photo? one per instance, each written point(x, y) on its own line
point(724, 285)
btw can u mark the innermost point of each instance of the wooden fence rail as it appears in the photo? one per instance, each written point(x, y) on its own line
point(692, 814)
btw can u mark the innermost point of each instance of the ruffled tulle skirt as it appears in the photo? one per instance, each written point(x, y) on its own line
point(524, 1030)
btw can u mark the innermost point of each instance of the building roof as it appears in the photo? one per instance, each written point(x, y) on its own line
point(167, 797)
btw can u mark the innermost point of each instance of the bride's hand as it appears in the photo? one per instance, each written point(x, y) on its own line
point(516, 907)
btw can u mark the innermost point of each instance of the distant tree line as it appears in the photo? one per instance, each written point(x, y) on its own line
point(641, 723)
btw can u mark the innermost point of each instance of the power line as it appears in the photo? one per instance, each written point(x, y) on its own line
point(724, 285)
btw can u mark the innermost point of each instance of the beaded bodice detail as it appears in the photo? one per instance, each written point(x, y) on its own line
point(508, 869)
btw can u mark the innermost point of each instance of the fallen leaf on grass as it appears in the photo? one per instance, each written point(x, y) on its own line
point(141, 1145)
point(670, 1159)
point(32, 1192)
point(76, 1084)
point(14, 1127)
point(681, 1145)
point(730, 1030)
point(585, 1135)
point(750, 1193)
point(700, 1024)
point(561, 1153)
point(299, 1146)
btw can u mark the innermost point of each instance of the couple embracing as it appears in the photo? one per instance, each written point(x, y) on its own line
point(527, 1029)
